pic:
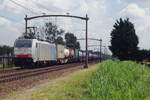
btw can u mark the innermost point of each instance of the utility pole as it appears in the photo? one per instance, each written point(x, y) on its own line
point(86, 46)
point(100, 41)
point(100, 53)
point(26, 25)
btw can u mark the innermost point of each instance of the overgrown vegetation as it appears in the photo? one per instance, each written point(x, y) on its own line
point(111, 80)
point(120, 81)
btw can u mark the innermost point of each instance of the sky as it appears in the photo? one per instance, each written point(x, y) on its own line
point(102, 14)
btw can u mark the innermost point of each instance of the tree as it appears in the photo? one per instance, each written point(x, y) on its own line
point(124, 40)
point(77, 45)
point(60, 32)
point(30, 33)
point(60, 40)
point(71, 41)
point(52, 31)
point(142, 55)
point(6, 50)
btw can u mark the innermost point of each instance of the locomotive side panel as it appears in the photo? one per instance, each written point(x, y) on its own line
point(46, 52)
point(31, 51)
point(53, 52)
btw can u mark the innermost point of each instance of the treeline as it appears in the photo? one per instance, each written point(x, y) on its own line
point(51, 33)
point(141, 55)
point(6, 50)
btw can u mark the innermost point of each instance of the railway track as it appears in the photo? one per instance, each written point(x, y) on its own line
point(13, 76)
point(9, 70)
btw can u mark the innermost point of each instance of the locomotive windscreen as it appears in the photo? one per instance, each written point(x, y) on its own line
point(23, 43)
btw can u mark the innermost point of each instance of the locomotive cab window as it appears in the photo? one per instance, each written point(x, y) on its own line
point(23, 43)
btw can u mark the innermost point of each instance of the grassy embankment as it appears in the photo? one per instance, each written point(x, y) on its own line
point(120, 81)
point(72, 87)
point(108, 81)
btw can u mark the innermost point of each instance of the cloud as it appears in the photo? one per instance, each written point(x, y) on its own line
point(134, 10)
point(4, 22)
point(119, 1)
point(8, 31)
point(1, 2)
point(141, 1)
point(140, 17)
point(137, 13)
point(102, 14)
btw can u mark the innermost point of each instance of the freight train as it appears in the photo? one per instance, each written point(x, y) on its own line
point(36, 52)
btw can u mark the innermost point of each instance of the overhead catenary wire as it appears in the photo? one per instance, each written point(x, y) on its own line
point(40, 5)
point(9, 19)
point(44, 7)
point(23, 7)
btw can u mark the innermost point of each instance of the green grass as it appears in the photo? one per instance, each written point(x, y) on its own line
point(72, 87)
point(110, 80)
point(120, 81)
